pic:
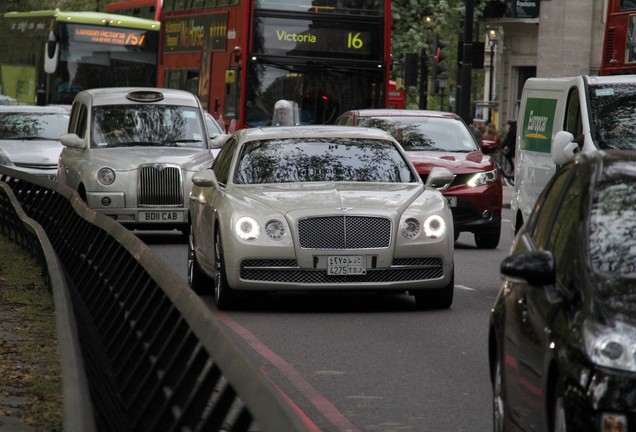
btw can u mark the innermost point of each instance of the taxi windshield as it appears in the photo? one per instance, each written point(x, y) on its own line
point(147, 125)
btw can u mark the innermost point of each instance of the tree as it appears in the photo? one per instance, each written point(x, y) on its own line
point(69, 5)
point(415, 22)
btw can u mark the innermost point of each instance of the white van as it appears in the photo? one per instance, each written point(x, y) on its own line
point(561, 116)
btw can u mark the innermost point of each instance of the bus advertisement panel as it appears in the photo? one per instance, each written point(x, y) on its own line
point(241, 57)
point(48, 56)
point(619, 43)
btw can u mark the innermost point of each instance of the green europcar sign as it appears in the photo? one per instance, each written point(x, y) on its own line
point(536, 132)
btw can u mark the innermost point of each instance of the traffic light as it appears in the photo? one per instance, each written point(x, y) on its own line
point(438, 69)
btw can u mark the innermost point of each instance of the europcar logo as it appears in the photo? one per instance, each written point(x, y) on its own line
point(536, 134)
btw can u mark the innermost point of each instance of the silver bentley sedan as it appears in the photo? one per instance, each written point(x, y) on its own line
point(319, 208)
point(130, 153)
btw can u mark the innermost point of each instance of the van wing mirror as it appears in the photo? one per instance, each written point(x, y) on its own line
point(563, 148)
point(440, 178)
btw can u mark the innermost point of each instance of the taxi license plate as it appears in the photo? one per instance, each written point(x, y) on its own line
point(346, 265)
point(452, 201)
point(160, 216)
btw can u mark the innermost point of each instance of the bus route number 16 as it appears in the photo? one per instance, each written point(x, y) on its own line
point(354, 41)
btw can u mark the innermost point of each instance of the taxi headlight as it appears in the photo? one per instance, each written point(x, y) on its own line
point(106, 176)
point(247, 228)
point(434, 226)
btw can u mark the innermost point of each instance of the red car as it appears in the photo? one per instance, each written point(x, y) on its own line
point(442, 139)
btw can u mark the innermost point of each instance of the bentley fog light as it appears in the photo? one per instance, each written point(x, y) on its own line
point(434, 226)
point(612, 347)
point(410, 228)
point(247, 228)
point(275, 229)
point(106, 176)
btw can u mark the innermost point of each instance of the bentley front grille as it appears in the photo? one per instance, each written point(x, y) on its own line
point(160, 185)
point(344, 232)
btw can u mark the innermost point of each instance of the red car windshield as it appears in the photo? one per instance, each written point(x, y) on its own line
point(425, 133)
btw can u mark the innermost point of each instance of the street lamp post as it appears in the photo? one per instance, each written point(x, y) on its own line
point(492, 40)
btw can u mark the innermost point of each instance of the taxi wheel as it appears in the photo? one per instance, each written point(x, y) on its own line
point(223, 295)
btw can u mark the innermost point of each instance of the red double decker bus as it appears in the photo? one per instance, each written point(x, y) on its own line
point(149, 9)
point(619, 44)
point(242, 56)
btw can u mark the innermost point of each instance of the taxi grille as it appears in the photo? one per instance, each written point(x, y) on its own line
point(287, 271)
point(160, 185)
point(344, 232)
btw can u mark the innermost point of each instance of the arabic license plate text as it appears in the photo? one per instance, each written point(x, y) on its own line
point(346, 265)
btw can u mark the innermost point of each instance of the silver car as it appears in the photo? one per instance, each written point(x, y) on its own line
point(131, 152)
point(319, 208)
point(30, 138)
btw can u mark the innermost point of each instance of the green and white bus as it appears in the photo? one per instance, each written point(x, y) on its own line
point(46, 57)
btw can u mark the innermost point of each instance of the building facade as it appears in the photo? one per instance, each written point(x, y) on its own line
point(542, 38)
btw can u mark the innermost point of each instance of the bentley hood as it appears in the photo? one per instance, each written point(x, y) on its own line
point(329, 198)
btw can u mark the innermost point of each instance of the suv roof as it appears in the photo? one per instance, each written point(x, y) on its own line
point(402, 113)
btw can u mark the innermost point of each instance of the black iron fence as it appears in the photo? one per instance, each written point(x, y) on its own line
point(140, 351)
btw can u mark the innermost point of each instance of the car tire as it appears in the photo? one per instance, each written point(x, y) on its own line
point(197, 280)
point(498, 405)
point(438, 298)
point(488, 239)
point(223, 295)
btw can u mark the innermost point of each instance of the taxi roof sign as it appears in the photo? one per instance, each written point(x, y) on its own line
point(145, 96)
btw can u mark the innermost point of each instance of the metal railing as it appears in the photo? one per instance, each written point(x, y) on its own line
point(152, 354)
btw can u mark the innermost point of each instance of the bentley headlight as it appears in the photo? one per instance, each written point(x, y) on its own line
point(612, 347)
point(410, 228)
point(434, 226)
point(247, 228)
point(106, 176)
point(275, 229)
point(483, 178)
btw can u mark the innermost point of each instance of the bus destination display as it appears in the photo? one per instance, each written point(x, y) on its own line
point(107, 35)
point(313, 38)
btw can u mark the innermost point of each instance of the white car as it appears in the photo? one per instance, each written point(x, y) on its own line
point(30, 138)
point(131, 152)
point(319, 208)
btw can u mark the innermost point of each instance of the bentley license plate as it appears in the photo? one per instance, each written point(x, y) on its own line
point(346, 265)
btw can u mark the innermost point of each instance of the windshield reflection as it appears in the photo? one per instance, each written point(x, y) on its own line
point(613, 111)
point(20, 126)
point(320, 160)
point(612, 237)
point(147, 125)
point(425, 133)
